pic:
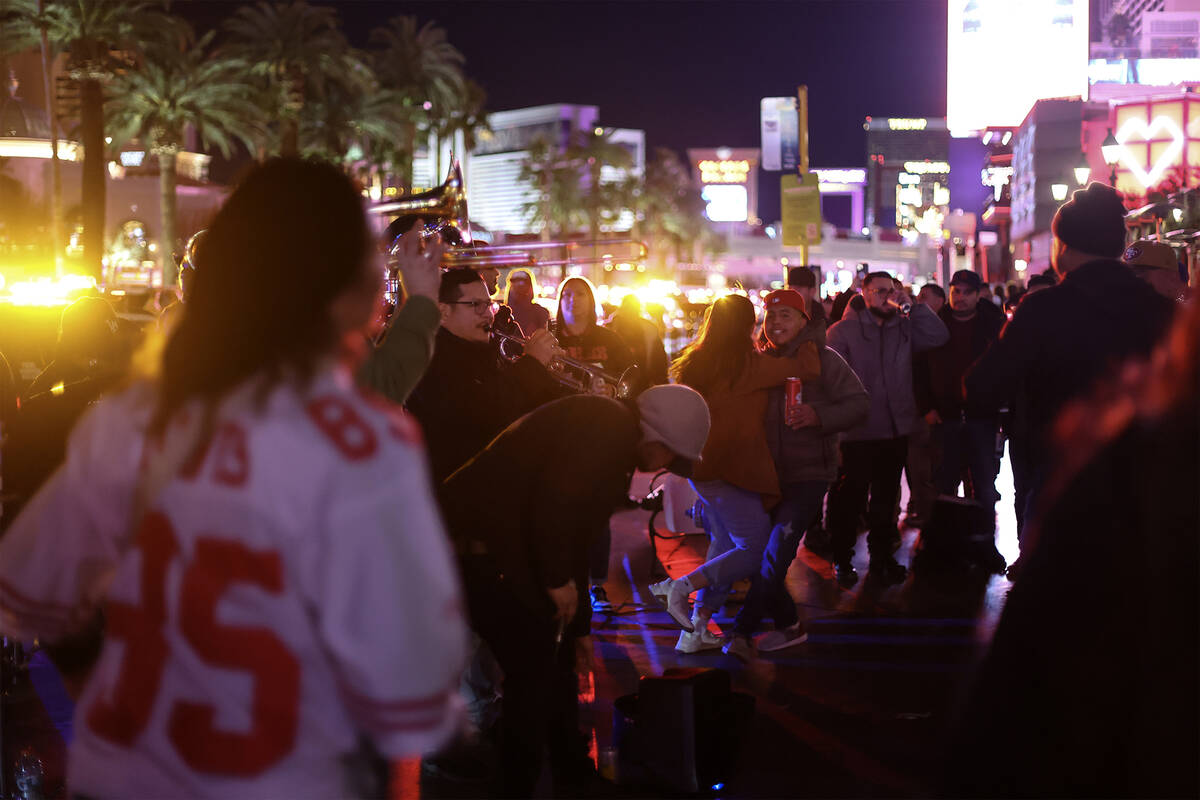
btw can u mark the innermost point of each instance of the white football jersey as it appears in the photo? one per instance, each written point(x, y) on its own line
point(285, 594)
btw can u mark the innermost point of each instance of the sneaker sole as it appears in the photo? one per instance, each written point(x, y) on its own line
point(684, 622)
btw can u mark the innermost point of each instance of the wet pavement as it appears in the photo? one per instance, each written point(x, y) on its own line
point(861, 709)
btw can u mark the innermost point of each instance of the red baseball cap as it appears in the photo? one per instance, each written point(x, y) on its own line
point(785, 297)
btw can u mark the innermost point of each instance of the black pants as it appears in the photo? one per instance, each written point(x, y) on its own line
point(540, 706)
point(871, 468)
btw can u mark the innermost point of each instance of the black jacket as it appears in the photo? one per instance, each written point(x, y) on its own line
point(563, 469)
point(1061, 706)
point(932, 369)
point(1063, 339)
point(468, 395)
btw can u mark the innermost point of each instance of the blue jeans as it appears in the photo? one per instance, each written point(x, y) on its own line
point(968, 455)
point(768, 595)
point(738, 527)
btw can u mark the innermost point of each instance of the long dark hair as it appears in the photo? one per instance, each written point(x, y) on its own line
point(721, 351)
point(289, 240)
point(559, 324)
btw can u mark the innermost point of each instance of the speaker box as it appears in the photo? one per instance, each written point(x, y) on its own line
point(681, 731)
point(960, 533)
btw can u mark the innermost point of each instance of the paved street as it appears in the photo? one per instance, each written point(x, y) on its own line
point(860, 709)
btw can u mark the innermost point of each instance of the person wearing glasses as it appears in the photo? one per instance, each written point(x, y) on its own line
point(878, 343)
point(469, 394)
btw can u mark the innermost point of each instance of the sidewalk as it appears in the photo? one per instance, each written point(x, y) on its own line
point(860, 709)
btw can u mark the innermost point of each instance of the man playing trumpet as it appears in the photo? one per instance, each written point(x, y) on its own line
point(468, 394)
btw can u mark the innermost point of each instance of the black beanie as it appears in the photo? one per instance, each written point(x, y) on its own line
point(1092, 221)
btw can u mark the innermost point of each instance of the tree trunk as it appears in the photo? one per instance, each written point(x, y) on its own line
point(91, 113)
point(166, 245)
point(290, 146)
point(56, 216)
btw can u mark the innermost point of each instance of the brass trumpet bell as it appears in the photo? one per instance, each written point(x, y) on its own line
point(443, 210)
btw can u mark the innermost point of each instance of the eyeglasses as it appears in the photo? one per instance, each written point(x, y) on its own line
point(882, 292)
point(480, 307)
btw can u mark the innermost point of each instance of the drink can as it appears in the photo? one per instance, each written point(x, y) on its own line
point(794, 395)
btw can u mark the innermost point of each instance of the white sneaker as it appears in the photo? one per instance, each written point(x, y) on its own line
point(739, 646)
point(778, 640)
point(674, 598)
point(697, 641)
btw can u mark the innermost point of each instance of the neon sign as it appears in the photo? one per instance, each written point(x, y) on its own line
point(724, 171)
point(926, 167)
point(841, 175)
point(1146, 132)
point(907, 124)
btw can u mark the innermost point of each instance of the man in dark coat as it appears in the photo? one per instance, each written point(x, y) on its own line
point(1089, 688)
point(468, 395)
point(965, 435)
point(1063, 339)
point(565, 468)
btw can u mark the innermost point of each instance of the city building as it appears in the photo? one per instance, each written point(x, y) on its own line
point(908, 168)
point(1144, 44)
point(1047, 152)
point(496, 198)
point(133, 220)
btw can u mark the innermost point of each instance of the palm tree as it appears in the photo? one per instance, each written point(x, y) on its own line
point(465, 115)
point(18, 21)
point(422, 66)
point(101, 38)
point(670, 209)
point(593, 151)
point(557, 205)
point(186, 88)
point(356, 119)
point(297, 53)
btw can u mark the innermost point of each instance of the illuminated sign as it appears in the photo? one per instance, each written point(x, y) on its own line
point(132, 158)
point(841, 175)
point(907, 124)
point(1052, 59)
point(1160, 141)
point(1144, 71)
point(908, 180)
point(727, 203)
point(780, 123)
point(1140, 131)
point(12, 147)
point(996, 178)
point(728, 171)
point(926, 167)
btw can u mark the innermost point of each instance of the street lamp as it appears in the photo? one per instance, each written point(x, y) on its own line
point(1083, 170)
point(1058, 191)
point(1111, 150)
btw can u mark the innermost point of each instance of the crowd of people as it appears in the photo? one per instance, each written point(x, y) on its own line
point(280, 548)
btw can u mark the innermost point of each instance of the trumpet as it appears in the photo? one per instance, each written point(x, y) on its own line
point(443, 212)
point(580, 376)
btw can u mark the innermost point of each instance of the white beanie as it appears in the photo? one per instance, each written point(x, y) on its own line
point(676, 416)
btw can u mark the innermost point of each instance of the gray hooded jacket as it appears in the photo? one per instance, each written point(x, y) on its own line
point(882, 357)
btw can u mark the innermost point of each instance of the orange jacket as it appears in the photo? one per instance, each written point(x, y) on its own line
point(736, 451)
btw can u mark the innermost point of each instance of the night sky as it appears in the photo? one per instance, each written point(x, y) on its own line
point(689, 73)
